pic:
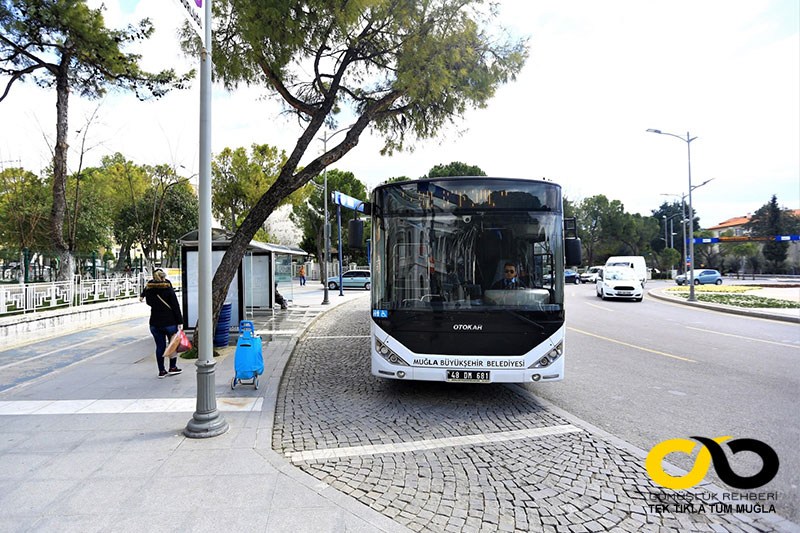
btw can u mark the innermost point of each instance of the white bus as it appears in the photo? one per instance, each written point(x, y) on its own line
point(468, 280)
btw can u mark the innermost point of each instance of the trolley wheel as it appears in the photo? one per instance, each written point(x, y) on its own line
point(255, 383)
point(233, 383)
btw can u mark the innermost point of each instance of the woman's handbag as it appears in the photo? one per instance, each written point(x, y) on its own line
point(183, 345)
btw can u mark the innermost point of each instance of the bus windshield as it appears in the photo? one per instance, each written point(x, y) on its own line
point(449, 245)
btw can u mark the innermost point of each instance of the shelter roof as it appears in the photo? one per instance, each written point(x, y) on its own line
point(222, 237)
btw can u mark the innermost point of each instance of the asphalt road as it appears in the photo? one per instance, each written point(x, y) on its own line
point(652, 371)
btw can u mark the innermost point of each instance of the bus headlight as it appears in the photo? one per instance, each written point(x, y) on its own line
point(552, 355)
point(388, 354)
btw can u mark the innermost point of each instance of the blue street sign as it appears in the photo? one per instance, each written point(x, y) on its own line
point(348, 201)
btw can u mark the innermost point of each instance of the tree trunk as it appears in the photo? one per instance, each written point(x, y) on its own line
point(286, 183)
point(64, 254)
point(124, 255)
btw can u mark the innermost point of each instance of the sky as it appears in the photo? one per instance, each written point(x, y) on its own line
point(599, 75)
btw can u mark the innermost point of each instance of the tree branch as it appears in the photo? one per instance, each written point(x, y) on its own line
point(14, 77)
point(299, 105)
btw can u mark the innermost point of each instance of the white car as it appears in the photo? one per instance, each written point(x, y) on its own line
point(619, 283)
point(590, 276)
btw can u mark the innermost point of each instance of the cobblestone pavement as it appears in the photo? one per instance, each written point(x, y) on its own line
point(395, 447)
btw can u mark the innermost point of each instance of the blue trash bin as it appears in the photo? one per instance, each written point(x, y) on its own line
point(223, 331)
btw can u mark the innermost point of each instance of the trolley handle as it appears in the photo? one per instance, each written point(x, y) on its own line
point(245, 325)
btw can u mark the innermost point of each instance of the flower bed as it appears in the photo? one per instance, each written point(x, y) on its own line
point(731, 289)
point(744, 300)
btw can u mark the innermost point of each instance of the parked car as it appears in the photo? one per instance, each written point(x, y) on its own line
point(619, 283)
point(352, 279)
point(701, 276)
point(590, 276)
point(570, 276)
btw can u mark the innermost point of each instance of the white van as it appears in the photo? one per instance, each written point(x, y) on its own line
point(636, 262)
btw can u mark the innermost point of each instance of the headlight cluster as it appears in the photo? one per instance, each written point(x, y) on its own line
point(552, 355)
point(388, 354)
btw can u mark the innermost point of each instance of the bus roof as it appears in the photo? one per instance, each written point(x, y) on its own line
point(471, 178)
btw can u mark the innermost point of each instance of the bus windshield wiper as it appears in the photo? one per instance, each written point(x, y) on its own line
point(523, 317)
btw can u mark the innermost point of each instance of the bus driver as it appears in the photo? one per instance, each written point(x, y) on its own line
point(510, 279)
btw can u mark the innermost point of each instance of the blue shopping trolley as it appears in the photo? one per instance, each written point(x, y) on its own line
point(249, 362)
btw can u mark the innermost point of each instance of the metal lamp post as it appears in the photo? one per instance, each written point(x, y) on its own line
point(671, 233)
point(207, 421)
point(684, 220)
point(688, 140)
point(326, 255)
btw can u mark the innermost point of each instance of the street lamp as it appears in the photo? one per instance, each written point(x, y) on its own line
point(671, 233)
point(327, 234)
point(207, 420)
point(684, 220)
point(688, 140)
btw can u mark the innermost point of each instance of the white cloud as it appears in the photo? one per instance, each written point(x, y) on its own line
point(599, 75)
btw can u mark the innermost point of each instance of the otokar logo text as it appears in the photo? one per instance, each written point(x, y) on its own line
point(468, 327)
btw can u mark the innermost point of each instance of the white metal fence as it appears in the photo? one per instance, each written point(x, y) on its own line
point(30, 297)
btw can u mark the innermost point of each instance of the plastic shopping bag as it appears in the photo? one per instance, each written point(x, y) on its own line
point(183, 345)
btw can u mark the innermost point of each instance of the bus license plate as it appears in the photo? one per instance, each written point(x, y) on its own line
point(480, 376)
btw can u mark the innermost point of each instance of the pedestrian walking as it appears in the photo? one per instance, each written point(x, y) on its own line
point(165, 318)
point(302, 275)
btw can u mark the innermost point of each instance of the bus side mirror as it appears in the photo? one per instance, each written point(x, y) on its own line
point(355, 234)
point(572, 251)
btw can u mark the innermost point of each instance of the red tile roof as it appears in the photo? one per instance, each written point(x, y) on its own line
point(735, 221)
point(740, 221)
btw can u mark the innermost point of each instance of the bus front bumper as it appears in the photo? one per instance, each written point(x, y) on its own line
point(554, 372)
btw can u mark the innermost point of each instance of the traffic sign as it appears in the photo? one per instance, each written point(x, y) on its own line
point(348, 201)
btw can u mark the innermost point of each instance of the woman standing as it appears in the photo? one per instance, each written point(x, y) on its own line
point(165, 318)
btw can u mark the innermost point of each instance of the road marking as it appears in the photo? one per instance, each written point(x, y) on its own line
point(276, 331)
point(59, 370)
point(123, 406)
point(746, 338)
point(600, 307)
point(428, 444)
point(634, 346)
point(339, 337)
point(51, 352)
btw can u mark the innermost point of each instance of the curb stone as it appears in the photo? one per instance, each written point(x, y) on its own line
point(754, 313)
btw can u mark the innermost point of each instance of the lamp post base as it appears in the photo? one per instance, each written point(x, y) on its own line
point(207, 421)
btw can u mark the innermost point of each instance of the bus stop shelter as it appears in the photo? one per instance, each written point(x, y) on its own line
point(252, 290)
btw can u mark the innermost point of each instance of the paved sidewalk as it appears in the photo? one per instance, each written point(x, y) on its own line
point(98, 446)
